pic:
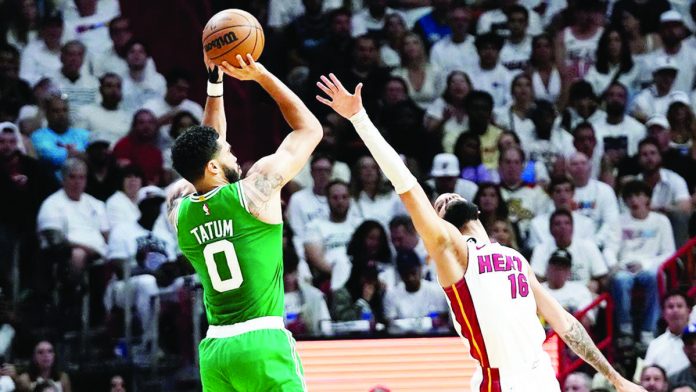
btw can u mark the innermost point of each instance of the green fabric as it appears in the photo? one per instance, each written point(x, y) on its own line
point(243, 276)
point(263, 361)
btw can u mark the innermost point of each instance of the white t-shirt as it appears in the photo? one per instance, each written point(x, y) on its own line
point(110, 61)
point(363, 22)
point(103, 124)
point(126, 238)
point(573, 296)
point(6, 384)
point(390, 57)
point(433, 85)
point(450, 56)
point(120, 209)
point(670, 190)
point(496, 82)
point(539, 230)
point(580, 53)
point(506, 118)
point(382, 208)
point(82, 92)
point(452, 128)
point(685, 60)
point(401, 304)
point(600, 81)
point(496, 20)
point(160, 107)
point(516, 56)
point(137, 92)
point(82, 222)
point(587, 261)
point(629, 128)
point(667, 350)
point(648, 242)
point(648, 103)
point(37, 62)
point(550, 92)
point(340, 171)
point(560, 143)
point(332, 236)
point(524, 203)
point(92, 31)
point(597, 201)
point(303, 207)
point(282, 12)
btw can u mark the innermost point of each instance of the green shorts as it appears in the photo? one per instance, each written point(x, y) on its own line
point(262, 360)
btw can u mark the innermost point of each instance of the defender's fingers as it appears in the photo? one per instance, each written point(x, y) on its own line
point(358, 89)
point(337, 82)
point(325, 89)
point(329, 83)
point(323, 100)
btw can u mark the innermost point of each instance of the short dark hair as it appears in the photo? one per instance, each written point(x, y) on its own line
point(176, 75)
point(319, 156)
point(649, 140)
point(107, 75)
point(115, 20)
point(658, 367)
point(135, 41)
point(478, 95)
point(560, 212)
point(559, 261)
point(489, 39)
point(332, 183)
point(583, 125)
point(517, 9)
point(9, 48)
point(54, 19)
point(560, 180)
point(192, 151)
point(635, 187)
point(675, 293)
point(132, 171)
point(460, 212)
point(402, 220)
point(581, 89)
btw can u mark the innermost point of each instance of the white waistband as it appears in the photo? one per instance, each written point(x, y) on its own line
point(227, 331)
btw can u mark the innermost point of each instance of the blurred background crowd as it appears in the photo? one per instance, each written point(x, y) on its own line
point(570, 123)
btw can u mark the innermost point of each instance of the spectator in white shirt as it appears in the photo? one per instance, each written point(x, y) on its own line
point(597, 201)
point(80, 87)
point(325, 240)
point(489, 74)
point(614, 63)
point(583, 106)
point(445, 177)
point(669, 191)
point(393, 32)
point(310, 203)
point(113, 59)
point(561, 189)
point(371, 18)
point(496, 19)
point(41, 57)
point(672, 32)
point(623, 129)
point(430, 82)
point(90, 23)
point(573, 296)
point(372, 197)
point(282, 12)
point(546, 78)
point(518, 45)
point(139, 83)
point(654, 378)
point(656, 98)
point(106, 120)
point(414, 297)
point(122, 206)
point(455, 52)
point(175, 99)
point(576, 44)
point(515, 116)
point(78, 217)
point(447, 115)
point(646, 241)
point(588, 264)
point(667, 350)
point(546, 143)
point(585, 142)
point(404, 237)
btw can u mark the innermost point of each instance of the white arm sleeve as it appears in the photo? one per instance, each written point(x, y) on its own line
point(387, 159)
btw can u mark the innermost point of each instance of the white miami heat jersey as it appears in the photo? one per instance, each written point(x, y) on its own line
point(495, 310)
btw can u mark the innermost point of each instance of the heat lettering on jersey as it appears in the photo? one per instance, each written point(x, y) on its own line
point(212, 231)
point(496, 262)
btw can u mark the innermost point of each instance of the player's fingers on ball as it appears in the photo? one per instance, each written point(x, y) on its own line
point(250, 59)
point(324, 89)
point(241, 62)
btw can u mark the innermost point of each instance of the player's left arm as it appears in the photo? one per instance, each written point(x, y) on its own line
point(575, 336)
point(270, 173)
point(176, 192)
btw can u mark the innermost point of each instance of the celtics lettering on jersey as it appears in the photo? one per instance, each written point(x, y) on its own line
point(238, 258)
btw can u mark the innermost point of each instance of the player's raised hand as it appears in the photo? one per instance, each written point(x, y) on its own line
point(340, 99)
point(214, 72)
point(249, 70)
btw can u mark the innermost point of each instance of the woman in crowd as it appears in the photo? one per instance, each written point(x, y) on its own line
point(515, 117)
point(20, 21)
point(361, 297)
point(546, 78)
point(446, 117)
point(681, 124)
point(491, 205)
point(503, 232)
point(43, 368)
point(424, 80)
point(640, 43)
point(370, 244)
point(614, 63)
point(468, 151)
point(373, 198)
point(122, 206)
point(393, 33)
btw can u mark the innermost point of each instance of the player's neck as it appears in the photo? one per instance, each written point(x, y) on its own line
point(476, 231)
point(208, 184)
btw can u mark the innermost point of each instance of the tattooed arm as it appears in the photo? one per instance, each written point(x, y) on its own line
point(575, 336)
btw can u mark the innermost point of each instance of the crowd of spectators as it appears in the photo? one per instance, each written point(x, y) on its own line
point(569, 122)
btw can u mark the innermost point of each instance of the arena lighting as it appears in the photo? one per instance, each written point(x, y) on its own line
point(406, 364)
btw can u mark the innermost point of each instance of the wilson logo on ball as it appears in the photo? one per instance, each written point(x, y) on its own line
point(221, 41)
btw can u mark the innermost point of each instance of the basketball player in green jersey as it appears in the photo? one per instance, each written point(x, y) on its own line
point(230, 229)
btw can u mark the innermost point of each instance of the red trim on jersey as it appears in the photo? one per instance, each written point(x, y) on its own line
point(465, 314)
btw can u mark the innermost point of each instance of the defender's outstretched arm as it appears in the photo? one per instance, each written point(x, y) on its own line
point(435, 232)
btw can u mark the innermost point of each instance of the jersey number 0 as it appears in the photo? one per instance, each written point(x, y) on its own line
point(226, 247)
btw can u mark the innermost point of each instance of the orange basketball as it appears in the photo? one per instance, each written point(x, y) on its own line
point(232, 32)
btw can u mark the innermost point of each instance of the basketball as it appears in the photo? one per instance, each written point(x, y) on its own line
point(232, 32)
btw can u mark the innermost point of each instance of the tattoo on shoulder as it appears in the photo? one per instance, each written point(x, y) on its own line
point(263, 186)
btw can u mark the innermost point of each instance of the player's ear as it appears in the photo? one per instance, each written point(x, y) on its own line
point(213, 166)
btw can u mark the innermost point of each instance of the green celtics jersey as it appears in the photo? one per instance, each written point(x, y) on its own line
point(238, 258)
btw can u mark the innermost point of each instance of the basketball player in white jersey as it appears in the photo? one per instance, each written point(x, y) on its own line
point(492, 291)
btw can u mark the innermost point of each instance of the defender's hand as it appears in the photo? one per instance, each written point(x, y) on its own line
point(341, 101)
point(249, 70)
